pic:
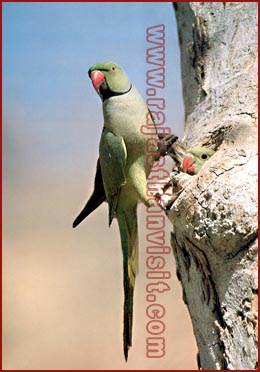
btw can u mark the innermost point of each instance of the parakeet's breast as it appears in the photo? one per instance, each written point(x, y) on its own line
point(125, 115)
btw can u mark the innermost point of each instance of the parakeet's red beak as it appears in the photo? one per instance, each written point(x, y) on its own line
point(98, 78)
point(188, 165)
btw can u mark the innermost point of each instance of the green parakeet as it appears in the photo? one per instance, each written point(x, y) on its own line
point(195, 159)
point(122, 169)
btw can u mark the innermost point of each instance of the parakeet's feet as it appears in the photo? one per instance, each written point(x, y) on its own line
point(165, 143)
point(164, 194)
point(170, 145)
point(172, 188)
point(150, 203)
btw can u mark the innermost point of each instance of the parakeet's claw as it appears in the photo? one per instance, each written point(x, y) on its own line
point(170, 145)
point(164, 194)
point(165, 143)
point(171, 190)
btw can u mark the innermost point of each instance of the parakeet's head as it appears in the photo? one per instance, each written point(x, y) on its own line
point(109, 80)
point(195, 159)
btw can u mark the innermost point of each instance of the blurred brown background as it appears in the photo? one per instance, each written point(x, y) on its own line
point(62, 288)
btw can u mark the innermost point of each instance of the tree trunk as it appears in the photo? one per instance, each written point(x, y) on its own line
point(214, 219)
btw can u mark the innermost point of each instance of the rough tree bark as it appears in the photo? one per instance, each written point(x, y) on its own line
point(214, 218)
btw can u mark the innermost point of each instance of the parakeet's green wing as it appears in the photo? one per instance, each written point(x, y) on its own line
point(112, 152)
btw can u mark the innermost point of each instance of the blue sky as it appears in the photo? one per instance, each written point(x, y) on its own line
point(53, 44)
point(47, 50)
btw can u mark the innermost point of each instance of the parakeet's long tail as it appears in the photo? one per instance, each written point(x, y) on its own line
point(129, 240)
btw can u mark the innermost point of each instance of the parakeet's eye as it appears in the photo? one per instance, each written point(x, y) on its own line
point(113, 69)
point(204, 156)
